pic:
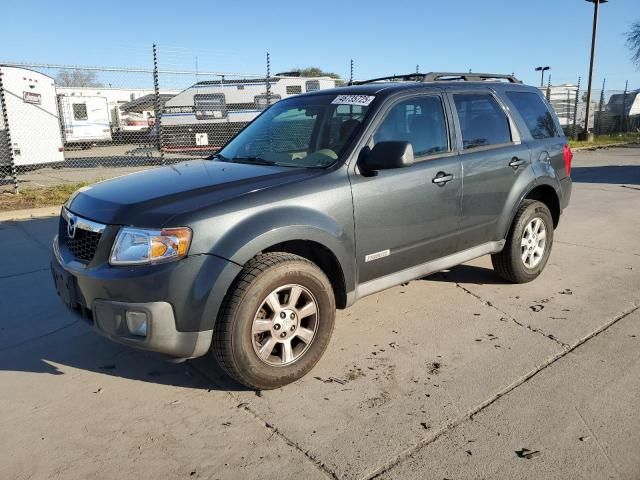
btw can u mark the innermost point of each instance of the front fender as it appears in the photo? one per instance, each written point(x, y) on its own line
point(259, 231)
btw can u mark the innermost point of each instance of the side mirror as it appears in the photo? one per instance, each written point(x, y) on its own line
point(387, 155)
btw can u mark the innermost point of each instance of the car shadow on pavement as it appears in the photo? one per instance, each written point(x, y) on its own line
point(39, 335)
point(467, 274)
point(615, 174)
point(77, 348)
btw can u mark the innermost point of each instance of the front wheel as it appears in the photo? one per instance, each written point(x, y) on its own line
point(276, 321)
point(528, 244)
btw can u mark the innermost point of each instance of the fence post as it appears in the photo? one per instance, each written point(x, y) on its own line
point(574, 133)
point(598, 124)
point(268, 80)
point(623, 113)
point(5, 119)
point(549, 89)
point(158, 104)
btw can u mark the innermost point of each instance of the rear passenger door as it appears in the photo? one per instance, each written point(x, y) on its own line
point(542, 133)
point(492, 156)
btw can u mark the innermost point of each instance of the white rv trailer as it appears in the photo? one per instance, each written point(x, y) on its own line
point(562, 98)
point(123, 123)
point(206, 115)
point(84, 120)
point(34, 127)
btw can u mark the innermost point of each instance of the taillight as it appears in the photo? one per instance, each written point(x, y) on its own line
point(568, 156)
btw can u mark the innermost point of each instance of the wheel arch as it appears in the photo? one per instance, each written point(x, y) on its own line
point(321, 256)
point(302, 231)
point(541, 191)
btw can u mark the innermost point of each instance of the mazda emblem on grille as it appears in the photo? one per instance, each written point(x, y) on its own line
point(72, 224)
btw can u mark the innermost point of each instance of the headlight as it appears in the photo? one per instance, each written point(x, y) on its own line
point(135, 246)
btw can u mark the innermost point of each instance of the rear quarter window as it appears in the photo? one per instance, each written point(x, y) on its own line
point(535, 114)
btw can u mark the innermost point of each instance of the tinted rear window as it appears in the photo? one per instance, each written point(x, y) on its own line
point(535, 114)
point(482, 121)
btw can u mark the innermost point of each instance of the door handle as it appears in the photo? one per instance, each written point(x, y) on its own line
point(516, 162)
point(442, 178)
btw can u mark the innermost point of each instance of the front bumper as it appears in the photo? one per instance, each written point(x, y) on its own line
point(181, 299)
point(161, 334)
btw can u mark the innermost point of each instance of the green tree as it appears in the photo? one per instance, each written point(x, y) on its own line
point(78, 78)
point(315, 72)
point(633, 42)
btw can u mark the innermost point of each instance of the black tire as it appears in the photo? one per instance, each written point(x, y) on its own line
point(233, 339)
point(509, 263)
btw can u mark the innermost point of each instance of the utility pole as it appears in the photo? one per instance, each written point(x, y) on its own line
point(596, 7)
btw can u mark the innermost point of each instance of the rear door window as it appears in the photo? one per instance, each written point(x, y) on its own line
point(482, 121)
point(419, 121)
point(535, 114)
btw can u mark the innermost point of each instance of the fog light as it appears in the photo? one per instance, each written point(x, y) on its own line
point(137, 323)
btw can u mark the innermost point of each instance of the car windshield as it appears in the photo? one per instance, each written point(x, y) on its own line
point(306, 131)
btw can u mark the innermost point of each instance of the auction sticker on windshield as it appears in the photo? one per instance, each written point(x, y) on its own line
point(363, 100)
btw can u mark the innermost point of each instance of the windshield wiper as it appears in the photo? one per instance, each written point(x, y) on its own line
point(256, 160)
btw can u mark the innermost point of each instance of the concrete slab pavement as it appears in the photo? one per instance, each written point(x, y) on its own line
point(411, 375)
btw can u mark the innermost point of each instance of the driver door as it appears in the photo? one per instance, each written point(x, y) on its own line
point(405, 217)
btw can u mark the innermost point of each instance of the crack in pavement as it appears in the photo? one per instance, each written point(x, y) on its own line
point(407, 453)
point(319, 464)
point(514, 320)
point(31, 237)
point(33, 339)
point(13, 275)
point(597, 248)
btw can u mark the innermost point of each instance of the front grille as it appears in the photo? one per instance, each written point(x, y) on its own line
point(84, 243)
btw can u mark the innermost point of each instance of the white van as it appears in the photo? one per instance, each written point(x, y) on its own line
point(32, 113)
point(84, 120)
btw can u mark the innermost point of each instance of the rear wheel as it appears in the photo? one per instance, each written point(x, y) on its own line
point(528, 244)
point(276, 321)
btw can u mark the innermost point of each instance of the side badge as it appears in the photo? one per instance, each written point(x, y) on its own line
point(377, 255)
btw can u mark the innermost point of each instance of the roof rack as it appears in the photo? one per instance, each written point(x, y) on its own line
point(441, 77)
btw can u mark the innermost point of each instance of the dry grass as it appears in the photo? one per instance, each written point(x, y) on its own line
point(604, 140)
point(39, 196)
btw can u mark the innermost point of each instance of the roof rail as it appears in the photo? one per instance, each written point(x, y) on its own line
point(443, 76)
point(469, 77)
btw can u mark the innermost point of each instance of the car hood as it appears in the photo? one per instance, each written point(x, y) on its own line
point(150, 198)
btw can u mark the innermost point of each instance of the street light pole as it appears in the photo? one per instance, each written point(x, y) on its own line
point(542, 70)
point(596, 8)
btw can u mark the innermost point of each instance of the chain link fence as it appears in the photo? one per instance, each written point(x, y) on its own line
point(65, 124)
point(612, 112)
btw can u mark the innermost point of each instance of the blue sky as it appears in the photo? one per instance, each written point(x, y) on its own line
point(382, 37)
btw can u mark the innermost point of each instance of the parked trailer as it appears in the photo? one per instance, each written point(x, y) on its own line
point(206, 115)
point(562, 98)
point(84, 120)
point(125, 125)
point(624, 111)
point(32, 113)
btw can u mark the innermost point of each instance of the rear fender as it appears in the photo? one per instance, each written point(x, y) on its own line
point(517, 195)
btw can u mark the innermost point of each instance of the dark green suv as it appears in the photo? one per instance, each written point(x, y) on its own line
point(323, 199)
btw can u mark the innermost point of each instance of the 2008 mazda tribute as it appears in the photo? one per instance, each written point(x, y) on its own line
point(323, 199)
